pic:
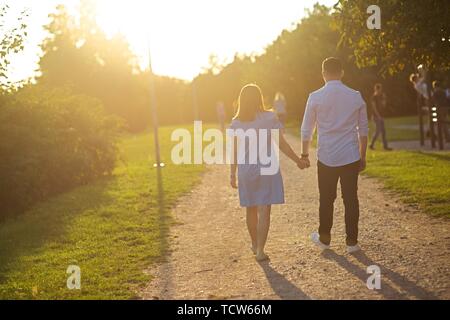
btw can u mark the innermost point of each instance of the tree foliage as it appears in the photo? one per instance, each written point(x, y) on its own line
point(11, 41)
point(78, 53)
point(413, 32)
point(292, 65)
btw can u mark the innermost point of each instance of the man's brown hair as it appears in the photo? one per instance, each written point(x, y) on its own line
point(332, 65)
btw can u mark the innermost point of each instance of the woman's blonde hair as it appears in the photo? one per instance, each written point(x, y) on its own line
point(250, 103)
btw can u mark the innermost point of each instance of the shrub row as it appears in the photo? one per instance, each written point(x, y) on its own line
point(50, 141)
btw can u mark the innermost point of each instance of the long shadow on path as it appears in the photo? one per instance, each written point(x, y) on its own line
point(407, 288)
point(282, 287)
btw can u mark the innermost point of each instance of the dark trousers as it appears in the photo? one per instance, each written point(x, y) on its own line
point(328, 179)
point(380, 129)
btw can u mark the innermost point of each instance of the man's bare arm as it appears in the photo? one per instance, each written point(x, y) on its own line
point(286, 148)
point(305, 146)
point(305, 152)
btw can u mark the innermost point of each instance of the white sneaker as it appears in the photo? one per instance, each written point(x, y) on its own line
point(353, 249)
point(315, 237)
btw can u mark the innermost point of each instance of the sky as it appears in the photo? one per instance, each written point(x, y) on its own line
point(181, 34)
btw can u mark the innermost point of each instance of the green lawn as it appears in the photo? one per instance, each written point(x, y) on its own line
point(400, 129)
point(112, 229)
point(420, 178)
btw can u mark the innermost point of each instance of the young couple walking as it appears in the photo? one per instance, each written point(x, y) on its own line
point(340, 115)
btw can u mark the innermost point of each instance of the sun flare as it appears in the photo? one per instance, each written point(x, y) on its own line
point(184, 34)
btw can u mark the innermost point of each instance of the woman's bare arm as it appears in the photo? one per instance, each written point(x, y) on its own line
point(286, 148)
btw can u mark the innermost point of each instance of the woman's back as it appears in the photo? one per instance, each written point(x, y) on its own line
point(256, 143)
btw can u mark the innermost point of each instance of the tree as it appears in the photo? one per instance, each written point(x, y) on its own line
point(291, 64)
point(77, 53)
point(11, 41)
point(412, 32)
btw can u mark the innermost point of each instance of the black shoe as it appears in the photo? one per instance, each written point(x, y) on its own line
point(371, 148)
point(388, 149)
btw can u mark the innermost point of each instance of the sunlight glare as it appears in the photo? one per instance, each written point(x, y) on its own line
point(162, 23)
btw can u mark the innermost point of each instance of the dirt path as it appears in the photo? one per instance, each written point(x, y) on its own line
point(415, 145)
point(210, 256)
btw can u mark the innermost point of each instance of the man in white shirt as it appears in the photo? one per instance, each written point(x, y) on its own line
point(340, 115)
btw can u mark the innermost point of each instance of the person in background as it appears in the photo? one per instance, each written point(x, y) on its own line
point(442, 103)
point(378, 104)
point(419, 85)
point(220, 109)
point(279, 104)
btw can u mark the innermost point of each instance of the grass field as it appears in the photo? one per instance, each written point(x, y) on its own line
point(420, 178)
point(111, 229)
point(400, 129)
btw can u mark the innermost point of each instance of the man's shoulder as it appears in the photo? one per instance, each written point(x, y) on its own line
point(342, 88)
point(317, 92)
point(351, 90)
point(354, 94)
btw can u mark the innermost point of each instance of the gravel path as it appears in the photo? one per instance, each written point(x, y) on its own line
point(210, 255)
point(415, 145)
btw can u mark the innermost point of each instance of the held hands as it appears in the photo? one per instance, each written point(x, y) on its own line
point(303, 163)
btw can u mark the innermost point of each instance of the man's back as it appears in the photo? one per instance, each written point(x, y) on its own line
point(340, 114)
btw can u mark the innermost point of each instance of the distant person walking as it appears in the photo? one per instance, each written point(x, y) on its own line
point(378, 104)
point(279, 105)
point(442, 103)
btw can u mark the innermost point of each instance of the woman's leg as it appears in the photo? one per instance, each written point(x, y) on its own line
point(262, 231)
point(252, 222)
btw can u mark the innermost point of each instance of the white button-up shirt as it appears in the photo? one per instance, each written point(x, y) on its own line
point(340, 114)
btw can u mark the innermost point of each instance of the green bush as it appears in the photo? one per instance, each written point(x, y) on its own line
point(50, 141)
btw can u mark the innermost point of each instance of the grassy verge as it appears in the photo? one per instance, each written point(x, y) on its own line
point(420, 178)
point(400, 129)
point(111, 229)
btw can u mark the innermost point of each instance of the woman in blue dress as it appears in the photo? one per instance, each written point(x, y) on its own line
point(259, 187)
